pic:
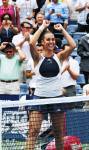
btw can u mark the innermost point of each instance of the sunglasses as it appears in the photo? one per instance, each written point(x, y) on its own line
point(9, 52)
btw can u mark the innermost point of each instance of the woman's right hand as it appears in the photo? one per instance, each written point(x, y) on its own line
point(46, 23)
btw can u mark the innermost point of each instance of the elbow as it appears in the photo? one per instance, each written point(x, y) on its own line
point(73, 46)
point(76, 76)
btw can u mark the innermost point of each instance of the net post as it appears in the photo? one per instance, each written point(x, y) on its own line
point(0, 127)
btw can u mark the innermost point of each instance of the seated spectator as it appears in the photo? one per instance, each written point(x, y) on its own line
point(12, 10)
point(11, 59)
point(7, 29)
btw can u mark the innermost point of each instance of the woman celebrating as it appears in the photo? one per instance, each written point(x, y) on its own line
point(48, 85)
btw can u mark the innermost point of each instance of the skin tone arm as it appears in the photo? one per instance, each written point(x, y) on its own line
point(71, 71)
point(21, 54)
point(81, 7)
point(64, 54)
point(29, 73)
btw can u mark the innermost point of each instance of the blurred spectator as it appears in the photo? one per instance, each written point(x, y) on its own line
point(27, 9)
point(56, 12)
point(10, 2)
point(83, 51)
point(9, 77)
point(40, 5)
point(23, 38)
point(7, 29)
point(70, 72)
point(12, 10)
point(70, 6)
point(45, 5)
point(82, 7)
point(86, 93)
point(39, 20)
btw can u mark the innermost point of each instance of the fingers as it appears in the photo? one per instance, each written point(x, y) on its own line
point(46, 23)
point(58, 27)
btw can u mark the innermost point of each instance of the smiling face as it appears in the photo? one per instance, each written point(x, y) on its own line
point(9, 53)
point(39, 18)
point(48, 41)
point(25, 28)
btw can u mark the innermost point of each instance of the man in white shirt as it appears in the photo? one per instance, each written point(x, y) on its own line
point(22, 39)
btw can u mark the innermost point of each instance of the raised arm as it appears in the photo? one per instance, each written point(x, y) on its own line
point(80, 7)
point(64, 54)
point(21, 54)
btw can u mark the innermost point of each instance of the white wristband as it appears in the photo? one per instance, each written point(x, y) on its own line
point(41, 28)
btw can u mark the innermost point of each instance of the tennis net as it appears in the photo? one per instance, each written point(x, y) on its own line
point(14, 123)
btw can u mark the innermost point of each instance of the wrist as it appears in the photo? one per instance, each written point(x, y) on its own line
point(41, 28)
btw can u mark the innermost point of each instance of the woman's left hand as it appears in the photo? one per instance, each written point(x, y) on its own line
point(58, 27)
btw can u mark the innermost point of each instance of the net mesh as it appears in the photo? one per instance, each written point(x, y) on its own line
point(15, 124)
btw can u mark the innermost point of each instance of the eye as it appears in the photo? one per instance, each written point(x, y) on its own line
point(50, 39)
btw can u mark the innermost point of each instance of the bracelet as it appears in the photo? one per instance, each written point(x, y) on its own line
point(41, 28)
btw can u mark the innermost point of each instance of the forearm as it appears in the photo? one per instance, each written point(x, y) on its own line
point(37, 34)
point(73, 74)
point(15, 30)
point(21, 43)
point(79, 8)
point(21, 54)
